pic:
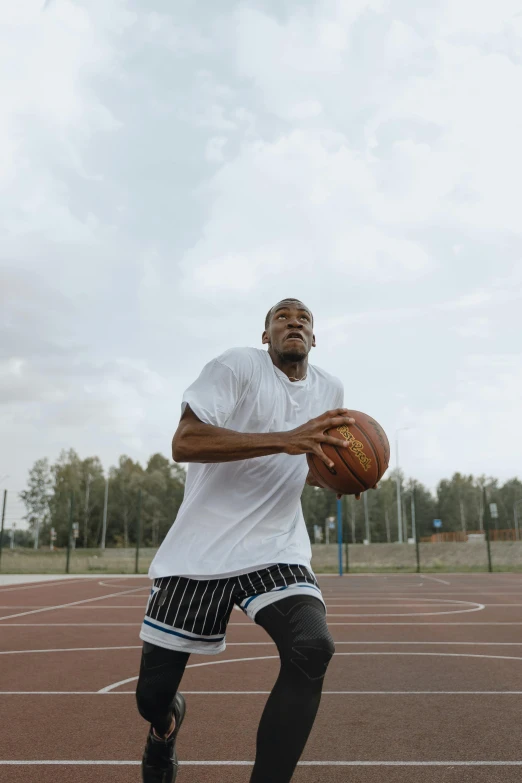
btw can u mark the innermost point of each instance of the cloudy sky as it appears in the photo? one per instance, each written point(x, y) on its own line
point(170, 170)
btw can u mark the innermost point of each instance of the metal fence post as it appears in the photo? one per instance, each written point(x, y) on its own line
point(486, 526)
point(415, 531)
point(69, 537)
point(138, 534)
point(2, 528)
point(340, 535)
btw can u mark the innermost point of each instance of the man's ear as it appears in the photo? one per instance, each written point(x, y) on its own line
point(313, 341)
point(265, 339)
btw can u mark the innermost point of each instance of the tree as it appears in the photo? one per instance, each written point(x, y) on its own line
point(162, 494)
point(317, 504)
point(67, 479)
point(458, 502)
point(125, 482)
point(37, 496)
point(92, 491)
point(506, 498)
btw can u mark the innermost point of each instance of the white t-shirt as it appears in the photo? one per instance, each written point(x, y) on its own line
point(244, 515)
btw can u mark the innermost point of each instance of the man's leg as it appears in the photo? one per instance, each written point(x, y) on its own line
point(161, 671)
point(163, 707)
point(298, 627)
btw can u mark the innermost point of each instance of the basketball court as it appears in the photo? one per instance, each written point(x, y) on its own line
point(426, 680)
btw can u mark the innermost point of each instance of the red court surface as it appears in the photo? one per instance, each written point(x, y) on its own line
point(426, 684)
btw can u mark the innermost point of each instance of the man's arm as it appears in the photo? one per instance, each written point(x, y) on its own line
point(195, 441)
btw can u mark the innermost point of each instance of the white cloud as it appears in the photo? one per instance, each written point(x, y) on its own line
point(165, 176)
point(474, 327)
point(474, 429)
point(306, 50)
point(309, 206)
point(214, 151)
point(480, 20)
point(304, 110)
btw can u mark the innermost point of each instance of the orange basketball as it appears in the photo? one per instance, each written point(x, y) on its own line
point(358, 467)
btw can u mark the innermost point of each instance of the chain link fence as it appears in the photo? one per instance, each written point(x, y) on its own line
point(486, 550)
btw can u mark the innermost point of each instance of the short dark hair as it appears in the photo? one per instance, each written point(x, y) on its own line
point(283, 301)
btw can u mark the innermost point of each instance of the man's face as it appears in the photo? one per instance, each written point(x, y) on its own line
point(290, 331)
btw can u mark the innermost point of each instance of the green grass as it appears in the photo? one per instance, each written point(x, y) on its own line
point(122, 561)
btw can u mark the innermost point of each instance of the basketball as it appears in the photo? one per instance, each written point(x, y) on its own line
point(358, 467)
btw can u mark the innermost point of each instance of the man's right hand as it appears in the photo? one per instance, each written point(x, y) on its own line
point(309, 437)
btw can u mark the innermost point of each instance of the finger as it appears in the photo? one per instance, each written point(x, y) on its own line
point(338, 496)
point(341, 444)
point(358, 497)
point(339, 421)
point(320, 453)
point(336, 413)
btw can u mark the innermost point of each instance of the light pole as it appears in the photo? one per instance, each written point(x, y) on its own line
point(517, 532)
point(105, 501)
point(413, 523)
point(399, 507)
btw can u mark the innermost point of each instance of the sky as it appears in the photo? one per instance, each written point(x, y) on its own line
point(168, 171)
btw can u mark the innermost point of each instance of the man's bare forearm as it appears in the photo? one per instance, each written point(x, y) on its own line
point(206, 443)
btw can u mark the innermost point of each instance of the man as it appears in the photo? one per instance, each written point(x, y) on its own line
point(240, 538)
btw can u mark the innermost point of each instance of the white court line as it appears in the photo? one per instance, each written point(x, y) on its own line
point(109, 688)
point(71, 649)
point(25, 586)
point(401, 597)
point(146, 586)
point(133, 763)
point(244, 624)
point(66, 606)
point(454, 624)
point(398, 605)
point(261, 644)
point(475, 607)
point(265, 693)
point(442, 581)
point(141, 607)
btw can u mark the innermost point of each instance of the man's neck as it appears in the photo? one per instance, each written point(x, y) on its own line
point(295, 371)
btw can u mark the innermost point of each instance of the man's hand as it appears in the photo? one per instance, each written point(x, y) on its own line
point(309, 437)
point(312, 481)
point(358, 496)
point(340, 495)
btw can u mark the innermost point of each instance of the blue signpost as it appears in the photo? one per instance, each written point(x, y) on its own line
point(340, 535)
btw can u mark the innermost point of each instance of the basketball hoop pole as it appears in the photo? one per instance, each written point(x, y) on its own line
point(340, 535)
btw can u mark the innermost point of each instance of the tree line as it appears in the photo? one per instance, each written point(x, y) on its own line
point(160, 485)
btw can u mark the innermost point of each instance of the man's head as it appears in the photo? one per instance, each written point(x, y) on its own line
point(289, 330)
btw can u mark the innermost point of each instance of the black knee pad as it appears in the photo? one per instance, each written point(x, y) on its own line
point(298, 626)
point(312, 643)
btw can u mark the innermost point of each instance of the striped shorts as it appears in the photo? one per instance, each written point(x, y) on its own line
point(192, 614)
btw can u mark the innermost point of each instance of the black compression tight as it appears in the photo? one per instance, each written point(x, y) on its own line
point(298, 627)
point(161, 671)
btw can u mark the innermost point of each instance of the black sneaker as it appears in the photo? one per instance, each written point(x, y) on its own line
point(160, 761)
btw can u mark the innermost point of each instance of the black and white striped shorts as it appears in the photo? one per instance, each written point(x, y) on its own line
point(192, 614)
